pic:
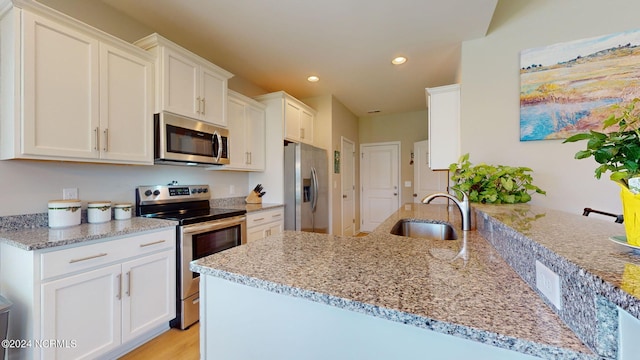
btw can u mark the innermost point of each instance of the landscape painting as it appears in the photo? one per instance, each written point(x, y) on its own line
point(570, 87)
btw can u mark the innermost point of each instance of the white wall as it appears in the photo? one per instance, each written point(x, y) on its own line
point(490, 109)
point(27, 186)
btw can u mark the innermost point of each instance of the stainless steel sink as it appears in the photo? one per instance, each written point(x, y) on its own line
point(424, 229)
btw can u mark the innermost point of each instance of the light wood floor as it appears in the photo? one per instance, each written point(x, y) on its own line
point(173, 344)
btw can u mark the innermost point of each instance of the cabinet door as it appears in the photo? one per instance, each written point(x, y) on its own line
point(148, 293)
point(306, 126)
point(213, 97)
point(273, 229)
point(444, 126)
point(292, 121)
point(126, 106)
point(255, 132)
point(237, 145)
point(85, 309)
point(180, 88)
point(255, 233)
point(61, 99)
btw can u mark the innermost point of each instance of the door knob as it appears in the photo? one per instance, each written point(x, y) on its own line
point(415, 195)
point(344, 196)
point(395, 194)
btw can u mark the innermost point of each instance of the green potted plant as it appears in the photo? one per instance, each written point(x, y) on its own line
point(618, 152)
point(490, 184)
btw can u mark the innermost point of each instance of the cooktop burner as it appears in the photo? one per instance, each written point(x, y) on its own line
point(187, 217)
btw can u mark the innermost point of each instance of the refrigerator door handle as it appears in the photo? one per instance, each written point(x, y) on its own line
point(314, 189)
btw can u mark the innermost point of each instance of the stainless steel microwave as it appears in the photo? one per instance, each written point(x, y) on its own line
point(184, 141)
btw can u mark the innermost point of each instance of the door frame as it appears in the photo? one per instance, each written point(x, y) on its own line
point(398, 175)
point(344, 140)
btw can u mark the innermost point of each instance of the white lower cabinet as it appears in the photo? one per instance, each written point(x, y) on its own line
point(262, 224)
point(84, 309)
point(97, 300)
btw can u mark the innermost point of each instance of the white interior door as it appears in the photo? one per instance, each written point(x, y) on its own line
point(348, 171)
point(425, 180)
point(380, 177)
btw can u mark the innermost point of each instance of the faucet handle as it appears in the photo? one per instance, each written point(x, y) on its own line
point(458, 191)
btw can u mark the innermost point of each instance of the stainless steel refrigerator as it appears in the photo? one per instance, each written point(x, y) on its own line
point(306, 188)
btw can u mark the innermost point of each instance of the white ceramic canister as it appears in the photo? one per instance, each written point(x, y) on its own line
point(64, 213)
point(98, 211)
point(122, 211)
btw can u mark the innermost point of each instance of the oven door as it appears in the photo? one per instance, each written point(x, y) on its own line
point(203, 239)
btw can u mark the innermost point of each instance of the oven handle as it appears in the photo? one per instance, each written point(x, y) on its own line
point(213, 225)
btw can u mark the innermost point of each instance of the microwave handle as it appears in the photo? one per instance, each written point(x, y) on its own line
point(219, 149)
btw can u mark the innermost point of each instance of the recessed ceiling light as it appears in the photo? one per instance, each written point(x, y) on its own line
point(313, 78)
point(399, 60)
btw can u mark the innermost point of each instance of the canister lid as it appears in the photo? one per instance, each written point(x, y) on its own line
point(98, 204)
point(122, 205)
point(64, 203)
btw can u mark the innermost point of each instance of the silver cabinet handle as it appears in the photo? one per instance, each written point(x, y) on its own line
point(198, 101)
point(246, 155)
point(97, 134)
point(301, 133)
point(106, 140)
point(152, 243)
point(259, 219)
point(203, 107)
point(276, 215)
point(128, 292)
point(87, 258)
point(250, 158)
point(119, 285)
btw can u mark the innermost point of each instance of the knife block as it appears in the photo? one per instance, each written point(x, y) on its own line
point(253, 198)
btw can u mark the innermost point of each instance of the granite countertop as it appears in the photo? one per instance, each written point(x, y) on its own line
point(30, 232)
point(252, 207)
point(43, 237)
point(414, 281)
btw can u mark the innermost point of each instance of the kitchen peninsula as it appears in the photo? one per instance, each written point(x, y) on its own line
point(385, 296)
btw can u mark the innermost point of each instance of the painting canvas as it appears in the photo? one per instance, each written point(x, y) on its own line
point(570, 87)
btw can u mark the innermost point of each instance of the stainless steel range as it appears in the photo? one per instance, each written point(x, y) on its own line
point(202, 231)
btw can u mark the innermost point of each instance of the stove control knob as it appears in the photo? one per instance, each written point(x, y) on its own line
point(205, 190)
point(194, 190)
point(147, 193)
point(199, 190)
point(156, 192)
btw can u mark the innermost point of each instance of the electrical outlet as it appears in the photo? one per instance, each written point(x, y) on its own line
point(70, 193)
point(232, 189)
point(548, 283)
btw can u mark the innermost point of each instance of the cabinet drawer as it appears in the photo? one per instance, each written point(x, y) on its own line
point(264, 217)
point(83, 257)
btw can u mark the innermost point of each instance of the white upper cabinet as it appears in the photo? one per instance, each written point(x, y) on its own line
point(188, 85)
point(297, 117)
point(72, 93)
point(247, 133)
point(443, 105)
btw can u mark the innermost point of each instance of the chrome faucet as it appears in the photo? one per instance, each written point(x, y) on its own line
point(464, 206)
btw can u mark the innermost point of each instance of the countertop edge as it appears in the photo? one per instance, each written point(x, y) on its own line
point(461, 331)
point(80, 233)
point(595, 321)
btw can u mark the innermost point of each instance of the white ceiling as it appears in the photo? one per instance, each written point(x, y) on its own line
point(349, 44)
